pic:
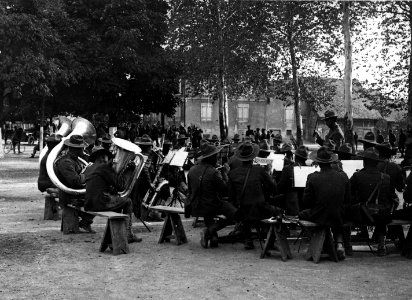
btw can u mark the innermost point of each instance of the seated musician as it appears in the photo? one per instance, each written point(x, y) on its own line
point(277, 141)
point(369, 184)
point(287, 150)
point(206, 188)
point(292, 196)
point(44, 182)
point(247, 187)
point(102, 185)
point(105, 141)
point(325, 195)
point(406, 214)
point(69, 170)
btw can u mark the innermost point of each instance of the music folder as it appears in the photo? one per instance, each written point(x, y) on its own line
point(300, 175)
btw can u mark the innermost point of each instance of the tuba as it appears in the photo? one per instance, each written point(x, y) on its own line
point(80, 126)
point(64, 126)
point(125, 153)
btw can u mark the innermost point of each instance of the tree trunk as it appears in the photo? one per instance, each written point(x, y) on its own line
point(296, 91)
point(348, 128)
point(408, 147)
point(223, 110)
point(41, 137)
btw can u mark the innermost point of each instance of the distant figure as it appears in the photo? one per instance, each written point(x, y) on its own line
point(379, 137)
point(16, 138)
point(335, 133)
point(249, 131)
point(392, 138)
point(401, 142)
point(355, 139)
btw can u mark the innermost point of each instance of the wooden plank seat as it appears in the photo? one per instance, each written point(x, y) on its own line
point(172, 224)
point(51, 204)
point(321, 239)
point(275, 231)
point(115, 233)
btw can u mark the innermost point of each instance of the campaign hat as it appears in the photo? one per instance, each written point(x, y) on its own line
point(99, 150)
point(329, 114)
point(247, 151)
point(286, 147)
point(371, 153)
point(145, 140)
point(323, 155)
point(208, 149)
point(302, 152)
point(75, 141)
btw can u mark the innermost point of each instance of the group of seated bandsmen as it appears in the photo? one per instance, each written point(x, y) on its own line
point(241, 190)
point(247, 193)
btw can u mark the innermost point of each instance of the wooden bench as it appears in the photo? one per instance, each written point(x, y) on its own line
point(321, 239)
point(275, 231)
point(115, 233)
point(51, 204)
point(172, 224)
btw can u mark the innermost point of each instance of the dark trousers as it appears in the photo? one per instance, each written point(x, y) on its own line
point(226, 209)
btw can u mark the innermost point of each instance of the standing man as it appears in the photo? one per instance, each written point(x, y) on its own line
point(355, 139)
point(69, 170)
point(335, 132)
point(392, 138)
point(379, 137)
point(249, 131)
point(401, 142)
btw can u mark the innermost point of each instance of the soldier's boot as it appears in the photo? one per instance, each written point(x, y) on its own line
point(131, 238)
point(381, 245)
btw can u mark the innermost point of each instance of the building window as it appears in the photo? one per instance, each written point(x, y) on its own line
point(243, 112)
point(206, 112)
point(289, 114)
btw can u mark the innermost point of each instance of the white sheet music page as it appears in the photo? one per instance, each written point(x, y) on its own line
point(300, 174)
point(179, 158)
point(278, 161)
point(351, 166)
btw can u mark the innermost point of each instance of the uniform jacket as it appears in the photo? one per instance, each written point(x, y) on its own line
point(335, 134)
point(68, 169)
point(252, 204)
point(44, 182)
point(101, 179)
point(205, 199)
point(325, 195)
point(395, 173)
point(364, 182)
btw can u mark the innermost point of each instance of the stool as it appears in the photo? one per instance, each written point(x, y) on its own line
point(275, 231)
point(51, 204)
point(321, 239)
point(172, 224)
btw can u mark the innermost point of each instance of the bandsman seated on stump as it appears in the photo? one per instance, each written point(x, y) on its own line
point(102, 185)
point(206, 188)
point(325, 195)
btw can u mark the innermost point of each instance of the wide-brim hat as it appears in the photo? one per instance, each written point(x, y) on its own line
point(330, 114)
point(208, 149)
point(369, 138)
point(344, 149)
point(264, 145)
point(286, 147)
point(145, 140)
point(384, 148)
point(323, 155)
point(277, 138)
point(247, 151)
point(214, 139)
point(75, 141)
point(236, 137)
point(99, 150)
point(105, 139)
point(371, 153)
point(302, 152)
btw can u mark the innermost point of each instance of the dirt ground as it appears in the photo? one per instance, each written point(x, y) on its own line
point(38, 262)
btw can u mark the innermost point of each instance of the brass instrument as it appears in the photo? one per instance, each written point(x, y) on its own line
point(147, 202)
point(125, 153)
point(80, 126)
point(64, 126)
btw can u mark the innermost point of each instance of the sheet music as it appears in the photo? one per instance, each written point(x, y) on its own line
point(350, 166)
point(278, 161)
point(169, 157)
point(300, 175)
point(179, 158)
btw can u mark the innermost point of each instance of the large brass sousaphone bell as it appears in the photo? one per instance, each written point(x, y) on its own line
point(64, 126)
point(80, 126)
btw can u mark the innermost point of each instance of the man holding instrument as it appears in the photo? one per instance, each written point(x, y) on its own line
point(102, 184)
point(335, 132)
point(69, 169)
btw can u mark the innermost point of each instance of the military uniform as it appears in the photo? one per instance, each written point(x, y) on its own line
point(335, 134)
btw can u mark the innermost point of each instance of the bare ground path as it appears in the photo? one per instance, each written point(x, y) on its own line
point(38, 262)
